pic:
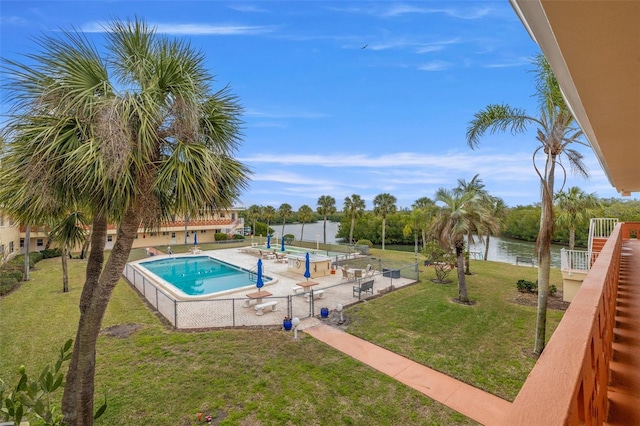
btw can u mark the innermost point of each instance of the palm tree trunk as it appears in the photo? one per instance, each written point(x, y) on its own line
point(65, 271)
point(424, 238)
point(27, 250)
point(543, 243)
point(325, 230)
point(486, 248)
point(463, 296)
point(572, 238)
point(353, 224)
point(86, 245)
point(77, 402)
point(467, 270)
point(302, 231)
point(384, 225)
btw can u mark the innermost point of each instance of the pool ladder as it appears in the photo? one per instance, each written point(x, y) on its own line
point(253, 274)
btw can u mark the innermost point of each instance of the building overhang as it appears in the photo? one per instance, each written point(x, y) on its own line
point(593, 48)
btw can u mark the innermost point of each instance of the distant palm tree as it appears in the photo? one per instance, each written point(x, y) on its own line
point(459, 213)
point(556, 130)
point(326, 206)
point(284, 212)
point(384, 204)
point(498, 211)
point(474, 186)
point(429, 207)
point(353, 207)
point(269, 213)
point(69, 233)
point(253, 213)
point(575, 208)
point(305, 214)
point(417, 220)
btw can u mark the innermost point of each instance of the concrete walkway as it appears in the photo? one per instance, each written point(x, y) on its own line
point(474, 403)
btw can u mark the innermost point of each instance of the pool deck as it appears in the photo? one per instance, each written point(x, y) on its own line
point(223, 311)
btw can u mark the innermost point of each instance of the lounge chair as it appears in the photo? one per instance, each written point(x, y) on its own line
point(345, 274)
point(368, 271)
point(357, 275)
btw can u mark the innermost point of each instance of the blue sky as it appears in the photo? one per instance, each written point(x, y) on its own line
point(346, 98)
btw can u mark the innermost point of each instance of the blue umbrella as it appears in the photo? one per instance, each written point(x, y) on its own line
point(282, 241)
point(259, 282)
point(195, 238)
point(268, 240)
point(307, 266)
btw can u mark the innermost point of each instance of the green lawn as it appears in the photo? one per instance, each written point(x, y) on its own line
point(257, 377)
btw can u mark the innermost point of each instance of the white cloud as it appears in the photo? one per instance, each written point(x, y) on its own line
point(191, 29)
point(435, 66)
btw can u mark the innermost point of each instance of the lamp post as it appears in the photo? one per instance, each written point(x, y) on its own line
point(295, 322)
point(339, 309)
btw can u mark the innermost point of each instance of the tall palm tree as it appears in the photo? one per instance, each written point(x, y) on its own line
point(459, 213)
point(253, 213)
point(269, 213)
point(284, 212)
point(556, 130)
point(384, 205)
point(326, 206)
point(305, 214)
point(353, 207)
point(417, 220)
point(575, 208)
point(154, 143)
point(69, 233)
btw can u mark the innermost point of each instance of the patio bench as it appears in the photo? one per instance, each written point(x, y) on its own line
point(259, 308)
point(317, 293)
point(365, 287)
point(523, 259)
point(297, 289)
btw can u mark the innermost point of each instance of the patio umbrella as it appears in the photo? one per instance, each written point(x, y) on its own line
point(282, 242)
point(259, 282)
point(195, 238)
point(307, 267)
point(268, 240)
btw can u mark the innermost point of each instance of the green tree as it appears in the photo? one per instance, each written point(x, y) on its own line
point(459, 213)
point(474, 186)
point(575, 208)
point(353, 208)
point(269, 213)
point(498, 211)
point(69, 233)
point(384, 205)
point(414, 225)
point(284, 212)
point(305, 214)
point(253, 213)
point(326, 206)
point(429, 207)
point(556, 130)
point(155, 143)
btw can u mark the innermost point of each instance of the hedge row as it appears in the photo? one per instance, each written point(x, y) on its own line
point(12, 272)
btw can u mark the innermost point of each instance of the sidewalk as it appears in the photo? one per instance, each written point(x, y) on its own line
point(474, 403)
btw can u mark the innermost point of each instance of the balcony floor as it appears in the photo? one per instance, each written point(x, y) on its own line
point(624, 390)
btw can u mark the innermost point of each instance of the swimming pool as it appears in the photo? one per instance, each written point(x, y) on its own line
point(200, 275)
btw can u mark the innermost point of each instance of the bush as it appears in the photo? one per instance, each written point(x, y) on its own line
point(49, 253)
point(288, 238)
point(525, 286)
point(238, 237)
point(7, 284)
point(553, 289)
point(220, 236)
point(364, 243)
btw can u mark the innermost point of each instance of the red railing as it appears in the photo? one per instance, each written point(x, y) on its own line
point(568, 384)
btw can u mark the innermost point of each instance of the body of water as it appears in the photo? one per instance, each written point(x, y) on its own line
point(500, 249)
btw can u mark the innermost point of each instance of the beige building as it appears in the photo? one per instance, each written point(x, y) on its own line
point(180, 231)
point(9, 237)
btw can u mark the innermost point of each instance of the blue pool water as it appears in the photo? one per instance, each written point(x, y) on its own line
point(200, 275)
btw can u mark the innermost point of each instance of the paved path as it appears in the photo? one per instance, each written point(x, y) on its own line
point(474, 403)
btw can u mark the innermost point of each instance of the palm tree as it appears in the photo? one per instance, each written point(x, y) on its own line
point(459, 214)
point(253, 213)
point(284, 211)
point(155, 143)
point(498, 211)
point(575, 207)
point(326, 206)
point(383, 205)
point(353, 207)
point(556, 130)
point(269, 213)
point(418, 218)
point(475, 186)
point(305, 214)
point(428, 206)
point(69, 233)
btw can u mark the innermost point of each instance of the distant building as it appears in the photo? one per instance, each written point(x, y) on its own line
point(9, 237)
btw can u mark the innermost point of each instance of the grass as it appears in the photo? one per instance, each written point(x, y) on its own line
point(241, 377)
point(256, 377)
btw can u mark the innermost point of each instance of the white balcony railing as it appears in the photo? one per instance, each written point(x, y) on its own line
point(576, 260)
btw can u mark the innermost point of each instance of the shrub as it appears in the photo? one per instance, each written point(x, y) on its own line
point(49, 253)
point(221, 236)
point(7, 284)
point(238, 237)
point(288, 238)
point(525, 286)
point(364, 243)
point(553, 289)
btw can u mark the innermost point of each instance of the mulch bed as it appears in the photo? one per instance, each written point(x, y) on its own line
point(554, 302)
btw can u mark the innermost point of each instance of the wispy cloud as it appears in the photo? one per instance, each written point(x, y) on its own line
point(192, 29)
point(459, 13)
point(250, 8)
point(435, 66)
point(515, 62)
point(285, 114)
point(13, 20)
